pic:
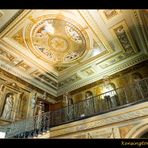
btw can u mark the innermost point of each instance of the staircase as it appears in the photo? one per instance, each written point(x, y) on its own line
point(28, 128)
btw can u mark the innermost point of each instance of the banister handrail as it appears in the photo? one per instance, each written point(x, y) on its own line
point(17, 124)
point(119, 88)
point(75, 111)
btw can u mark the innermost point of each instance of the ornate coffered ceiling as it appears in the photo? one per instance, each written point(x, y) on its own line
point(57, 41)
point(62, 50)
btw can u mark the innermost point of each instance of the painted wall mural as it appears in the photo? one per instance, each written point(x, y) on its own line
point(122, 37)
point(121, 32)
point(109, 14)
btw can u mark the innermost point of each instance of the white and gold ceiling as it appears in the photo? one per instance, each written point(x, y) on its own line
point(62, 50)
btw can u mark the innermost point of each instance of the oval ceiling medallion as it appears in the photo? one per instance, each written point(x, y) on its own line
point(57, 41)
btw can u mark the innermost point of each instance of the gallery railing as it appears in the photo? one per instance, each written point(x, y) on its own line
point(111, 100)
point(27, 128)
point(106, 102)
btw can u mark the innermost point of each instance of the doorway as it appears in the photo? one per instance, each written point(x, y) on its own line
point(43, 104)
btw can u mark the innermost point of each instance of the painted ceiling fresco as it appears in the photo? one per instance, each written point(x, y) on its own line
point(57, 41)
point(62, 50)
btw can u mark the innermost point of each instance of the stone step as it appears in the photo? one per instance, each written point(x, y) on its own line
point(43, 135)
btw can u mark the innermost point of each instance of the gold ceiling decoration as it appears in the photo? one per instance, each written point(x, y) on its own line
point(63, 50)
point(1, 13)
point(56, 41)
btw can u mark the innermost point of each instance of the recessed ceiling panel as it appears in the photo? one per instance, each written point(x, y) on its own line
point(56, 41)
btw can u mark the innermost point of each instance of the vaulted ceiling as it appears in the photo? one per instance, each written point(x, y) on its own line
point(62, 50)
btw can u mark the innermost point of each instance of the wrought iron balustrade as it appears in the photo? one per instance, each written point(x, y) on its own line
point(27, 128)
point(105, 102)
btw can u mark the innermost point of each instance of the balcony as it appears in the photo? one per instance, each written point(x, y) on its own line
point(103, 104)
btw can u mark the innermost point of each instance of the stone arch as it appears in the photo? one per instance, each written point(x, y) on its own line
point(6, 106)
point(108, 87)
point(138, 130)
point(136, 76)
point(144, 135)
point(88, 94)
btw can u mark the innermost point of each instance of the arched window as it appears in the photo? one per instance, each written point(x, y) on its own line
point(110, 95)
point(136, 76)
point(88, 94)
point(108, 89)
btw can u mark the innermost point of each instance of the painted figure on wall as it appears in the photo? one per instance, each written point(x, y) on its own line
point(39, 113)
point(33, 101)
point(44, 96)
point(67, 103)
point(65, 99)
point(7, 111)
point(88, 95)
point(139, 87)
point(89, 103)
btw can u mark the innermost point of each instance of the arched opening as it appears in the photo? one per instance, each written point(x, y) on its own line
point(145, 135)
point(136, 76)
point(8, 106)
point(110, 95)
point(88, 94)
point(138, 131)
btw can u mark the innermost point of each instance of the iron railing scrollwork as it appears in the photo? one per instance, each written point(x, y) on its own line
point(27, 128)
point(105, 102)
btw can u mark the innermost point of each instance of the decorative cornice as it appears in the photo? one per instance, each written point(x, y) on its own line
point(142, 40)
point(88, 18)
point(141, 24)
point(26, 78)
point(111, 70)
point(10, 21)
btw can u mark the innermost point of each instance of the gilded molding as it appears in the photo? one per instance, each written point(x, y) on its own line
point(11, 20)
point(27, 78)
point(1, 13)
point(109, 14)
point(112, 70)
point(87, 17)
